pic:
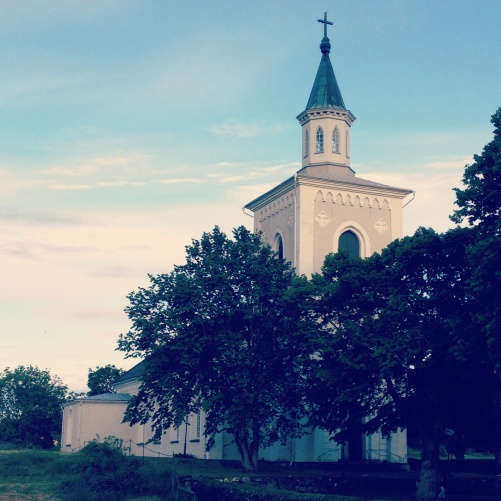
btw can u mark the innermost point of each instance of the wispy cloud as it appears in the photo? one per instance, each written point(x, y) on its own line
point(36, 250)
point(234, 129)
point(179, 180)
point(449, 164)
point(114, 272)
point(280, 167)
point(99, 184)
point(234, 179)
point(257, 172)
point(225, 164)
point(31, 217)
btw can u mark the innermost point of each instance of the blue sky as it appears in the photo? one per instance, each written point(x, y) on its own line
point(128, 128)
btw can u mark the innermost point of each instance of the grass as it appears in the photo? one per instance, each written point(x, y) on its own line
point(24, 476)
point(40, 475)
point(52, 476)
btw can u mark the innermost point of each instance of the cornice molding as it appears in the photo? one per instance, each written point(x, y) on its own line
point(271, 195)
point(388, 191)
point(320, 113)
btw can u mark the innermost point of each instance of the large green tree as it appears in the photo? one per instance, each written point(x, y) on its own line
point(479, 203)
point(400, 350)
point(221, 333)
point(30, 406)
point(100, 380)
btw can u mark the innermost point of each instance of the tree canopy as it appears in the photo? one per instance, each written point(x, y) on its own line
point(30, 406)
point(480, 200)
point(399, 347)
point(100, 380)
point(480, 205)
point(221, 333)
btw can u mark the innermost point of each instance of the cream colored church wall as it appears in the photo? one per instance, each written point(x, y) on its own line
point(84, 421)
point(189, 438)
point(324, 214)
point(278, 218)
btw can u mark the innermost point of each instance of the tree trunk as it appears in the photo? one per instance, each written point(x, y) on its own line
point(428, 483)
point(459, 447)
point(246, 448)
point(497, 459)
point(355, 439)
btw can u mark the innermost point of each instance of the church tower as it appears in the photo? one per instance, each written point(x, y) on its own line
point(325, 207)
point(326, 122)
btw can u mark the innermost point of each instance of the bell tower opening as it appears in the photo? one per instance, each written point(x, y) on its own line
point(349, 242)
point(278, 245)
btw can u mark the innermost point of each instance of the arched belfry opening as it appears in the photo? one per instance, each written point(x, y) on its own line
point(349, 242)
point(278, 245)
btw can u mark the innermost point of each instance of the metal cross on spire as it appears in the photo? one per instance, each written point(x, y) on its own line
point(325, 23)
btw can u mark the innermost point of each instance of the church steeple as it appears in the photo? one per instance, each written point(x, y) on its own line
point(326, 122)
point(325, 92)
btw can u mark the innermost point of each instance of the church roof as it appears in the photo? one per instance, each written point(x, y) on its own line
point(341, 177)
point(345, 175)
point(135, 373)
point(325, 92)
point(103, 397)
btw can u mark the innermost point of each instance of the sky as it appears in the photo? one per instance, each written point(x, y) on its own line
point(128, 128)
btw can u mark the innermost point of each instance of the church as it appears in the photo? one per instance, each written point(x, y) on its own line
point(322, 208)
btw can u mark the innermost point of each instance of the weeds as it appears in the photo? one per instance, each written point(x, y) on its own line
point(100, 471)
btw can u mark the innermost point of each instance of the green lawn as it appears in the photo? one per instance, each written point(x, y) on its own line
point(52, 476)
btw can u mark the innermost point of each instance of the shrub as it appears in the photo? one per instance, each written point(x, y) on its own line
point(101, 471)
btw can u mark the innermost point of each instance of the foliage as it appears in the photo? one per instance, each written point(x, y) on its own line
point(480, 201)
point(82, 476)
point(401, 348)
point(102, 472)
point(30, 406)
point(480, 204)
point(221, 333)
point(100, 380)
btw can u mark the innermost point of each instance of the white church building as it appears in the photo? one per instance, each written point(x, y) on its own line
point(323, 208)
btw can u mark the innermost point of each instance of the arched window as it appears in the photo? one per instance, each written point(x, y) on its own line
point(335, 140)
point(320, 140)
point(280, 247)
point(306, 143)
point(348, 241)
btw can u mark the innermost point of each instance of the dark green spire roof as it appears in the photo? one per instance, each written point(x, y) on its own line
point(325, 92)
